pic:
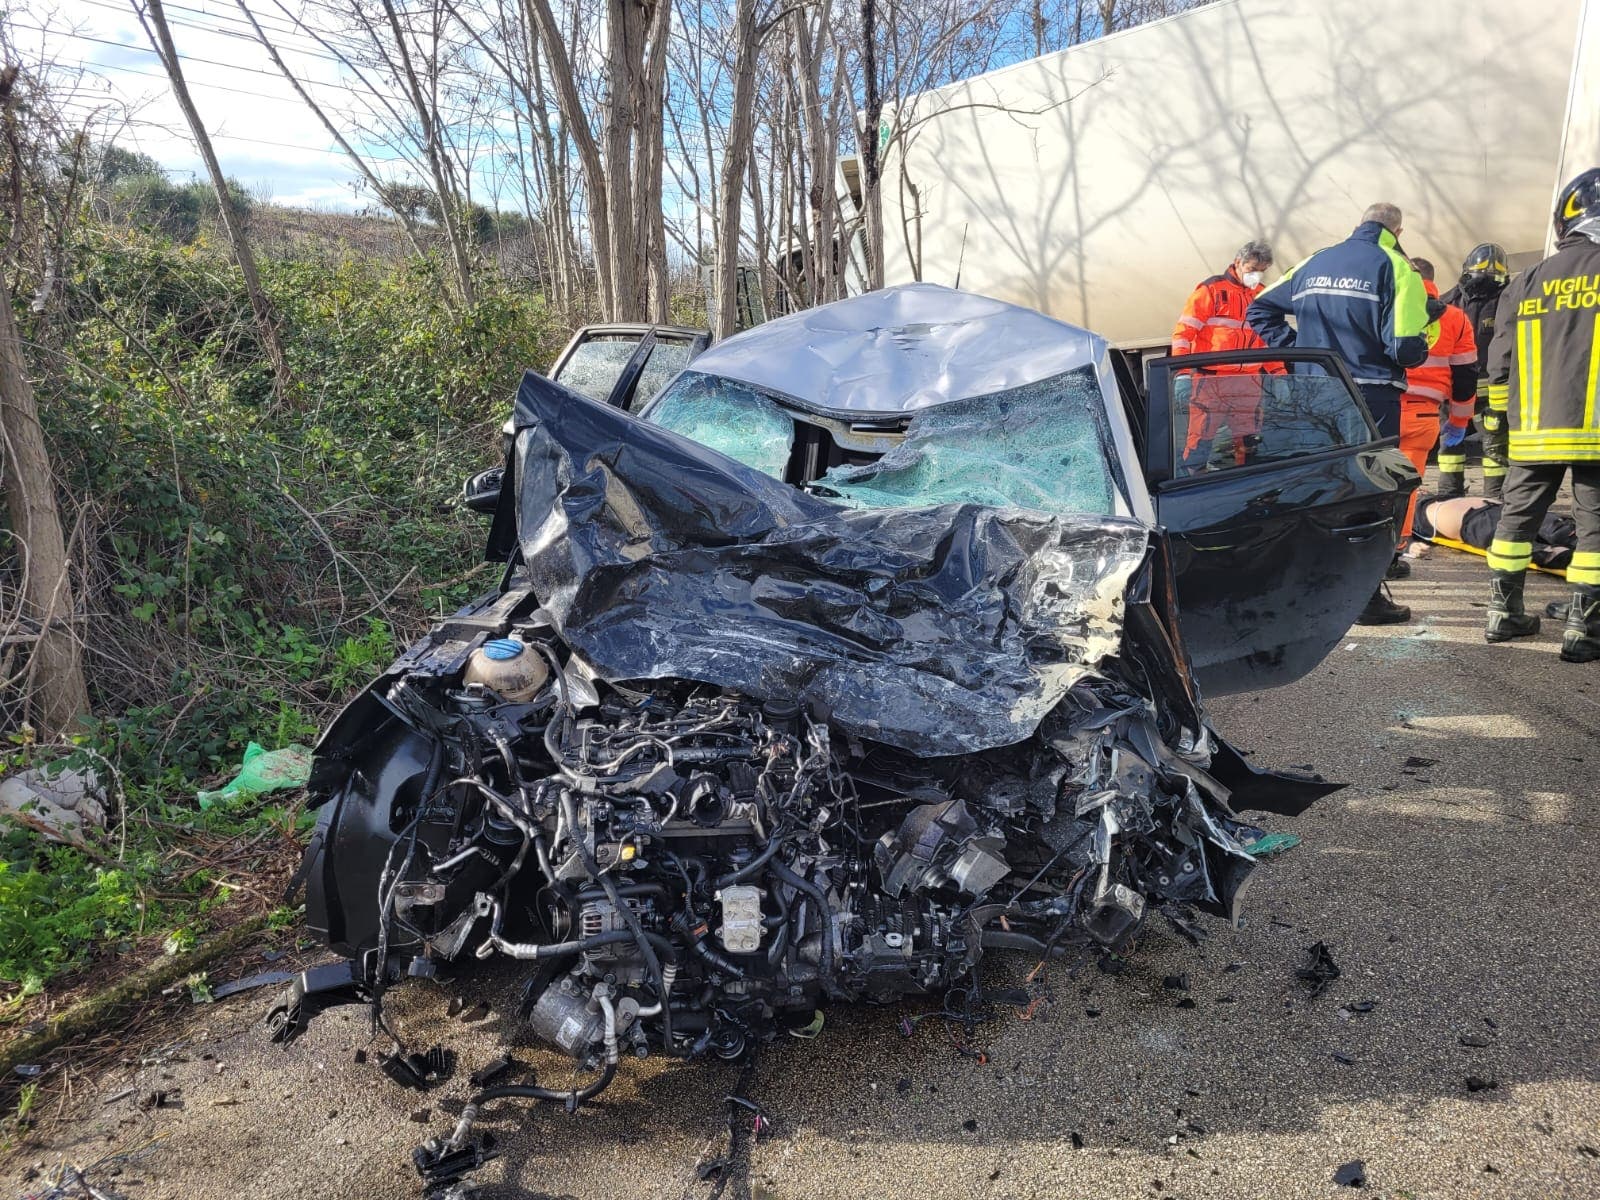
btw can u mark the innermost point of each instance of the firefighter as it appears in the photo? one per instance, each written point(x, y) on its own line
point(1483, 277)
point(1544, 374)
point(1363, 299)
point(1212, 320)
point(1449, 376)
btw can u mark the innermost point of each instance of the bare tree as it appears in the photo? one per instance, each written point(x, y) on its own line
point(153, 17)
point(53, 676)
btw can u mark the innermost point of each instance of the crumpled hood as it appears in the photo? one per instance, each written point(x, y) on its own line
point(939, 630)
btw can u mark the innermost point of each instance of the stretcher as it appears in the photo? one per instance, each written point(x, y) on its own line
point(1452, 544)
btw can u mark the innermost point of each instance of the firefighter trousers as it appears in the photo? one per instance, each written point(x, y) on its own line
point(1529, 491)
point(1492, 437)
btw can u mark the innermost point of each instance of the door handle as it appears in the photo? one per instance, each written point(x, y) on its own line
point(1363, 532)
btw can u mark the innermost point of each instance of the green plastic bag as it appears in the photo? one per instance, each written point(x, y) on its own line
point(262, 771)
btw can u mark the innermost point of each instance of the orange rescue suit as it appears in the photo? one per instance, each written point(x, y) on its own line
point(1213, 320)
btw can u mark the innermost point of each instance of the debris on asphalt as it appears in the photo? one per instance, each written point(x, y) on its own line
point(970, 1125)
point(1319, 970)
point(1475, 1040)
point(1176, 983)
point(1587, 1150)
point(1272, 843)
point(1343, 1059)
point(477, 1012)
point(419, 1071)
point(1477, 1083)
point(1360, 1006)
point(492, 1071)
point(1352, 1174)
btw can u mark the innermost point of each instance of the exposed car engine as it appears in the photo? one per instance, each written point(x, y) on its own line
point(688, 870)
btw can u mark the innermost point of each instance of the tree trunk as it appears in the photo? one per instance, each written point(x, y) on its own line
point(266, 321)
point(648, 209)
point(735, 155)
point(871, 168)
point(55, 671)
point(575, 123)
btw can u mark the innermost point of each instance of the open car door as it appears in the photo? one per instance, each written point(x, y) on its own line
point(1282, 503)
point(626, 365)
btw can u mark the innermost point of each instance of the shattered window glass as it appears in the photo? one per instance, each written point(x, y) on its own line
point(1041, 446)
point(595, 366)
point(665, 361)
point(729, 417)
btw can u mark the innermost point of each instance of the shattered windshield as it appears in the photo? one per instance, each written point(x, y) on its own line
point(732, 418)
point(1041, 446)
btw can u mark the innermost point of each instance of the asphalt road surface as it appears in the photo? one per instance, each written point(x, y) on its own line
point(1452, 880)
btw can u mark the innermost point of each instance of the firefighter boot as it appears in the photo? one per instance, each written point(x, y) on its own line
point(1507, 619)
point(1580, 641)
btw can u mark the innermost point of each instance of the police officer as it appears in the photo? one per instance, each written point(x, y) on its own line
point(1544, 373)
point(1363, 299)
point(1483, 277)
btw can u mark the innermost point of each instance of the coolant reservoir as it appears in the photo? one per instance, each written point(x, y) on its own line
point(509, 667)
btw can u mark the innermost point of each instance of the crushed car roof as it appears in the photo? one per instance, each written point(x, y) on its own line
point(902, 349)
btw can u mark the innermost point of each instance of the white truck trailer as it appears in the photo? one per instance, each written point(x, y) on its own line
point(1099, 184)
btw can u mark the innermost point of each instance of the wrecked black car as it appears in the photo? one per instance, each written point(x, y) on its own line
point(858, 656)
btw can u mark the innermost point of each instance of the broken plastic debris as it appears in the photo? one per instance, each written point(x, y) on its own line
point(492, 1071)
point(1351, 1174)
point(1319, 970)
point(262, 771)
point(1272, 843)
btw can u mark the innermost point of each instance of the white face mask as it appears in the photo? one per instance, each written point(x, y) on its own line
point(1251, 279)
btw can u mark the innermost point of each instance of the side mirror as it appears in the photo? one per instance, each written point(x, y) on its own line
point(481, 493)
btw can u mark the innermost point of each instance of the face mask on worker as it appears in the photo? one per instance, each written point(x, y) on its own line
point(1250, 278)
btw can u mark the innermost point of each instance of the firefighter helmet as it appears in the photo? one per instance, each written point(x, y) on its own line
point(1485, 266)
point(1578, 207)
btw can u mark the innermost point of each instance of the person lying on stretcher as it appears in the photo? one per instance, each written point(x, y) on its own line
point(1471, 520)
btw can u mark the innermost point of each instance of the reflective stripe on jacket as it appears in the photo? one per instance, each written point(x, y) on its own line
point(1450, 371)
point(1213, 320)
point(1544, 364)
point(1361, 298)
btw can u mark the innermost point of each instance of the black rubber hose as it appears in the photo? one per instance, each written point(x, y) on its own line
point(778, 868)
point(754, 865)
point(570, 1099)
point(584, 945)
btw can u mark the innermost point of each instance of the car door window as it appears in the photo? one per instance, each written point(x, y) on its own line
point(1281, 506)
point(594, 367)
point(665, 361)
point(1228, 416)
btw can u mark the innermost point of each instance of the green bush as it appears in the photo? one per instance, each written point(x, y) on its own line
point(248, 565)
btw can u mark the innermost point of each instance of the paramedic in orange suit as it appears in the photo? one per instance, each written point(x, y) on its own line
point(1212, 320)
